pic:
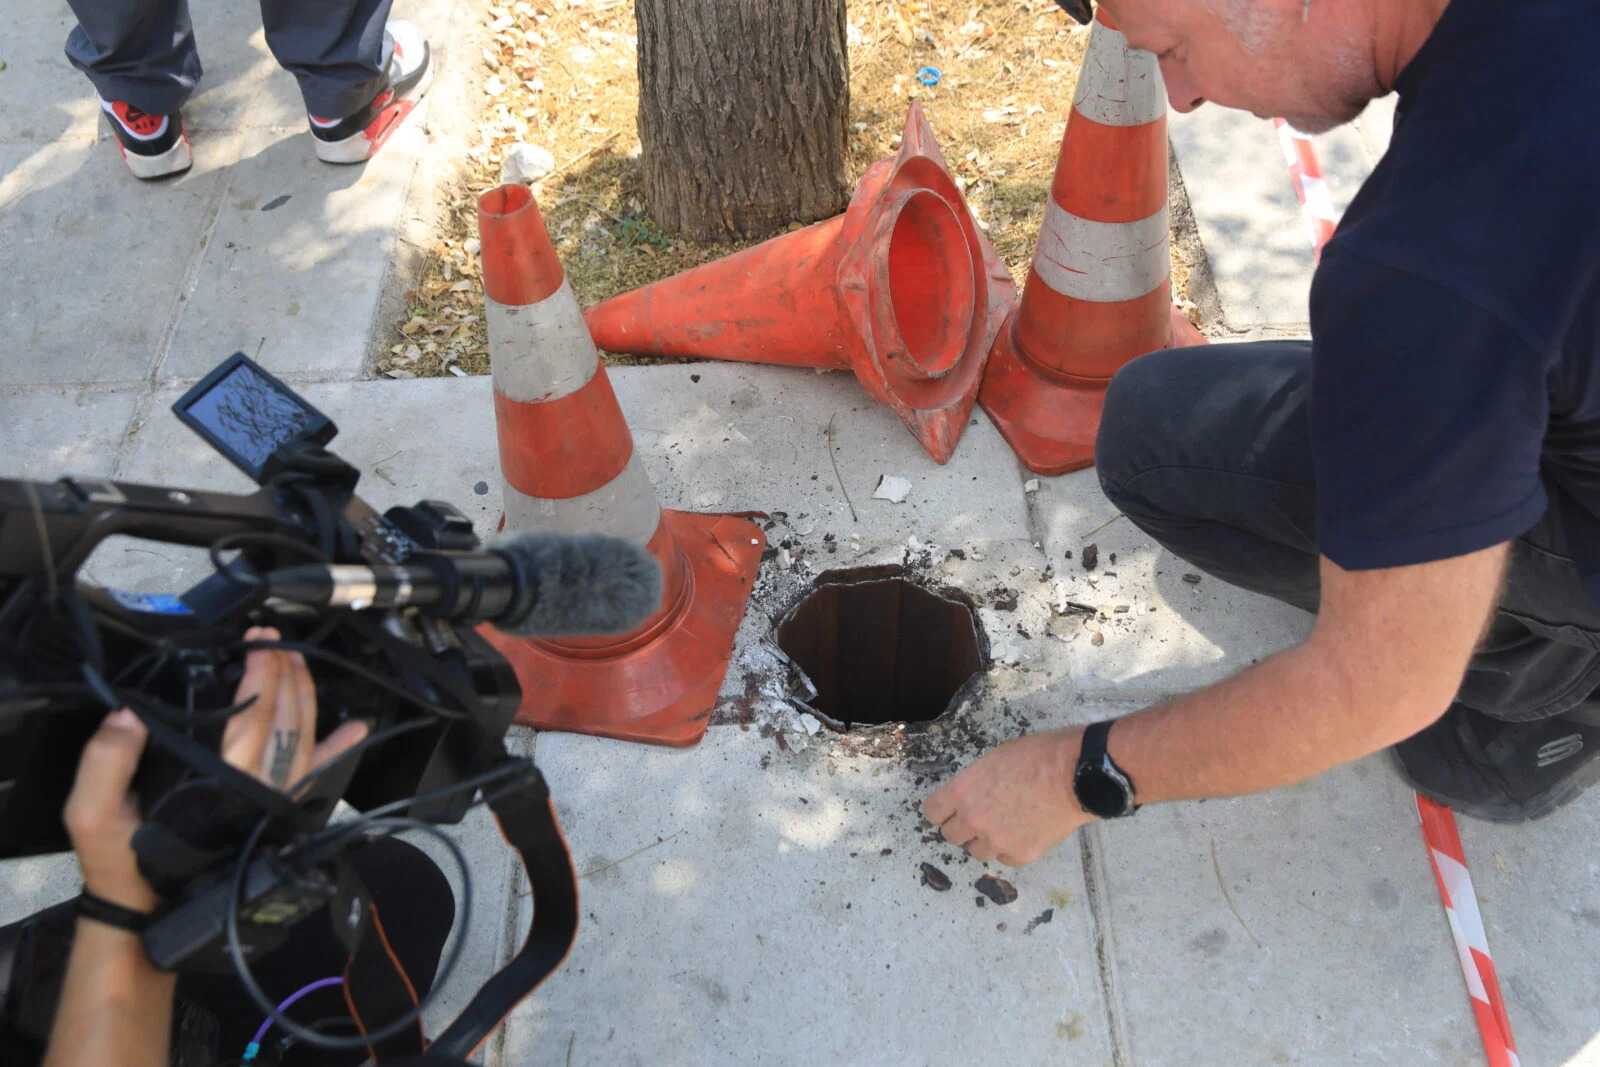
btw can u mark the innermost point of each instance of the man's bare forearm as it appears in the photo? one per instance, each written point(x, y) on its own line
point(1284, 720)
point(115, 1006)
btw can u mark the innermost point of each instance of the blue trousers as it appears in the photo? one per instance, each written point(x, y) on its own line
point(143, 51)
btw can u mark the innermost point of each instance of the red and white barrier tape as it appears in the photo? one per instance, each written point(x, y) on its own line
point(1439, 830)
point(1466, 925)
point(1309, 186)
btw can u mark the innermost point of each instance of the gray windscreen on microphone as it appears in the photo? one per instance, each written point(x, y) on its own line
point(580, 584)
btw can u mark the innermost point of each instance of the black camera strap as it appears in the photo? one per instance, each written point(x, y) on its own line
point(527, 820)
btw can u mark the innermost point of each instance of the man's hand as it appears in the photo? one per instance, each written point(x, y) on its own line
point(1015, 803)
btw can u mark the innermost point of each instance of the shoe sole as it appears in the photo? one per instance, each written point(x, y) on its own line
point(174, 160)
point(1536, 808)
point(360, 147)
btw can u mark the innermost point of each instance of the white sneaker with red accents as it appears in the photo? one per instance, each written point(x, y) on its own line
point(407, 75)
point(153, 146)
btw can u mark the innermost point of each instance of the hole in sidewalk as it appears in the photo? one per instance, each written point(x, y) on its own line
point(881, 650)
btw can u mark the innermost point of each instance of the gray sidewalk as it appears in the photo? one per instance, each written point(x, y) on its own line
point(746, 902)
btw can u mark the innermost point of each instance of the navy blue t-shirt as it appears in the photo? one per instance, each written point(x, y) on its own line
point(1455, 389)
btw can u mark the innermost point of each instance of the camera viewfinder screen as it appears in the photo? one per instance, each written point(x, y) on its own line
point(248, 416)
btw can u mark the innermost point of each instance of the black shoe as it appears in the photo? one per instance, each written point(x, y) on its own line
point(1503, 771)
point(153, 146)
point(407, 74)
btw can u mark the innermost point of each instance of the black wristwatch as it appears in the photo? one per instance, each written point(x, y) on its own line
point(1102, 788)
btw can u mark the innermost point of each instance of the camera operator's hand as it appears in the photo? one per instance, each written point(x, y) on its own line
point(276, 738)
point(115, 1007)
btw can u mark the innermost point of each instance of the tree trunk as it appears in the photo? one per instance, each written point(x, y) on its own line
point(744, 108)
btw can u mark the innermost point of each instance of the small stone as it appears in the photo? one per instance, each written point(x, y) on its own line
point(525, 164)
point(892, 487)
point(1192, 579)
point(934, 878)
point(811, 723)
point(996, 889)
point(1031, 485)
point(482, 488)
point(1122, 609)
point(1091, 556)
point(1098, 639)
point(472, 246)
point(695, 378)
point(958, 553)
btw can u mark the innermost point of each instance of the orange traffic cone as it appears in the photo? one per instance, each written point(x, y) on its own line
point(1098, 293)
point(903, 288)
point(570, 467)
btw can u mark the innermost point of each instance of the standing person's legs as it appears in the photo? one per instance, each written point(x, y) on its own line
point(141, 57)
point(359, 71)
point(138, 51)
point(1208, 450)
point(334, 48)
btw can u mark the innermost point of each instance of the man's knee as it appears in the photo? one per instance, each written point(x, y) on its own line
point(1137, 417)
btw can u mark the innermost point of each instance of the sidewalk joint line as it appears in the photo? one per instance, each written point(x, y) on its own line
point(1097, 894)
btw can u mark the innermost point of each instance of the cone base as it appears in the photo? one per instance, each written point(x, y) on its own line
point(662, 693)
point(1051, 425)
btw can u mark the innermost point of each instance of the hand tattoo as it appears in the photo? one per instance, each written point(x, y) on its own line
point(284, 745)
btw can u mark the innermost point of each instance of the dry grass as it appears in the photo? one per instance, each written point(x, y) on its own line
point(562, 74)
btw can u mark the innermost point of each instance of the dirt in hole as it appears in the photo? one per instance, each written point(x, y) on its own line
point(881, 649)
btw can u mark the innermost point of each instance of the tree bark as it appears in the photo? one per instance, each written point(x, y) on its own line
point(744, 108)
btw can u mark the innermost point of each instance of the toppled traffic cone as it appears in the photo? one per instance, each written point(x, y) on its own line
point(1098, 293)
point(903, 289)
point(570, 467)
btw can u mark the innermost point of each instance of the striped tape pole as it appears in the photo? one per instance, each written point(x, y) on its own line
point(1449, 861)
point(1310, 188)
point(1098, 292)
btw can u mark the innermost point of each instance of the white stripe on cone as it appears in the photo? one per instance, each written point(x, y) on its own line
point(1104, 262)
point(540, 351)
point(624, 507)
point(1118, 85)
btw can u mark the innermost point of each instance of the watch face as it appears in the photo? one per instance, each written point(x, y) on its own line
point(1100, 793)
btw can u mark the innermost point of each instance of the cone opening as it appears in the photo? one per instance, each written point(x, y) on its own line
point(931, 284)
point(883, 650)
point(505, 200)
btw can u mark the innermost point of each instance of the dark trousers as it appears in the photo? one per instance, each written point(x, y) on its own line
point(143, 51)
point(1208, 450)
point(411, 894)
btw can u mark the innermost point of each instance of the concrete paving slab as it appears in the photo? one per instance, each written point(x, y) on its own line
point(48, 433)
point(73, 212)
point(324, 237)
point(743, 904)
point(735, 437)
point(1305, 919)
point(1539, 890)
point(1175, 635)
point(42, 99)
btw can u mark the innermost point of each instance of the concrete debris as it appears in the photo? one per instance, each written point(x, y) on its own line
point(811, 723)
point(472, 246)
point(996, 889)
point(1031, 485)
point(525, 164)
point(893, 488)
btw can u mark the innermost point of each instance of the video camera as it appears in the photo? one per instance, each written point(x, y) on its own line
point(384, 608)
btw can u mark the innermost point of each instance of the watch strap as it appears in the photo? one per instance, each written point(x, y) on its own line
point(89, 906)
